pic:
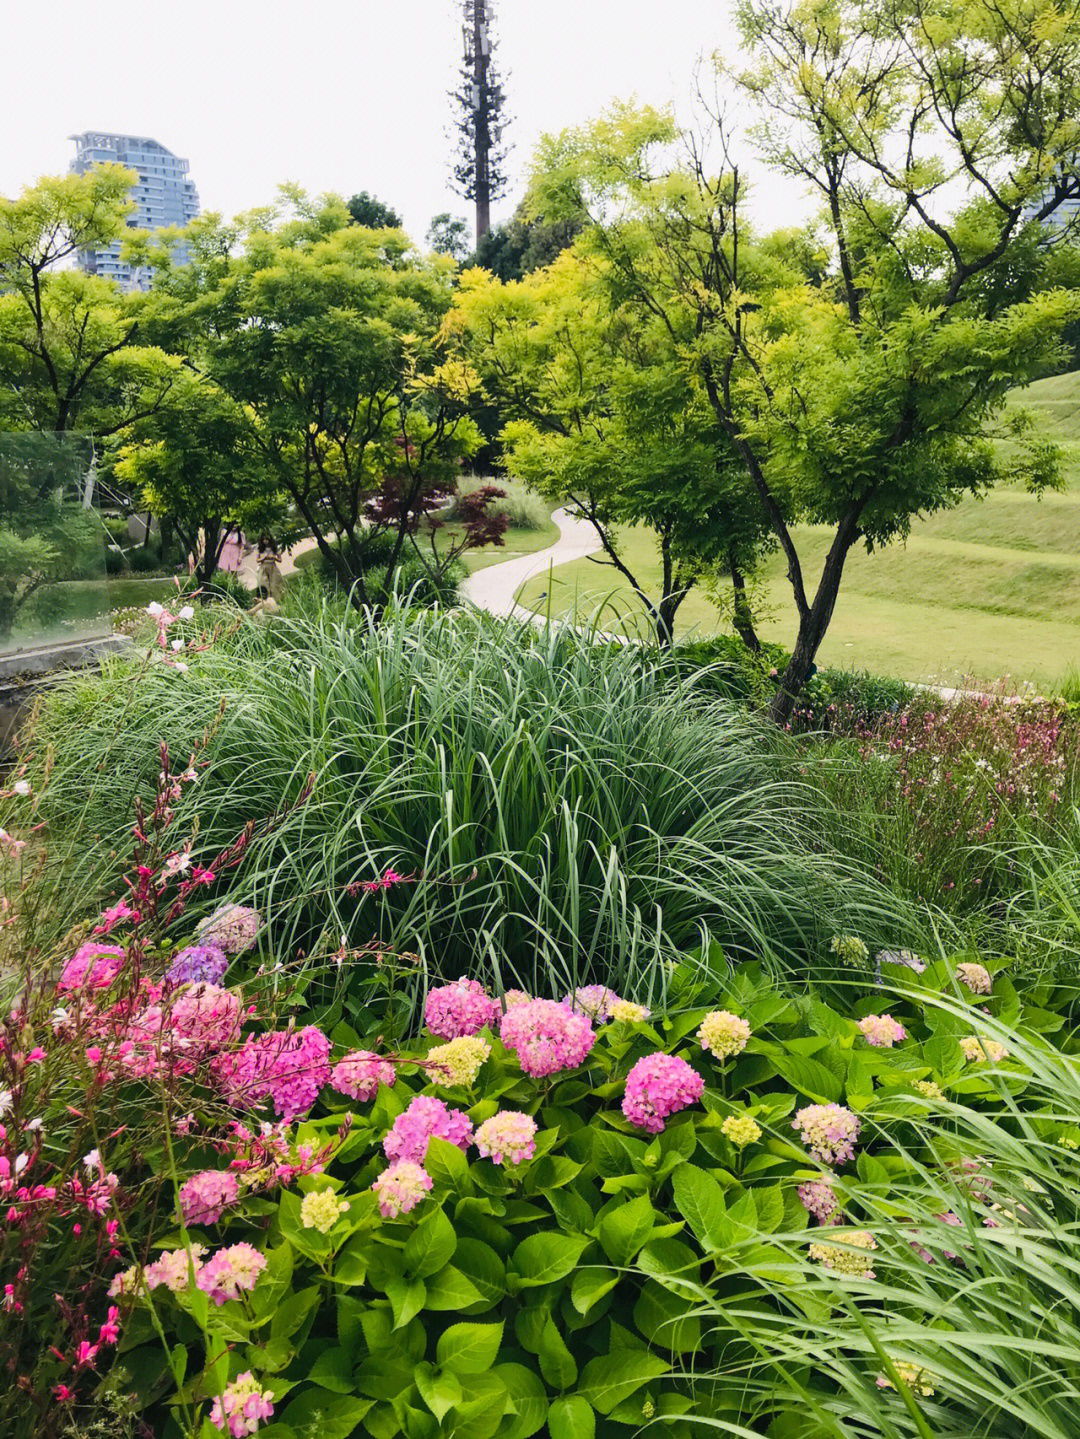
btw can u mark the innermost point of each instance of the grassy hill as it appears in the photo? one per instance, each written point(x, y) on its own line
point(991, 588)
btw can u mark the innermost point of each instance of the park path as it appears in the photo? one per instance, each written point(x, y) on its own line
point(493, 588)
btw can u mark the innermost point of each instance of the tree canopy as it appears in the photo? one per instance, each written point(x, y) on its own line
point(323, 335)
point(856, 370)
point(601, 409)
point(71, 354)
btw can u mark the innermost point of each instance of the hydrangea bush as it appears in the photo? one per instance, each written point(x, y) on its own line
point(540, 1230)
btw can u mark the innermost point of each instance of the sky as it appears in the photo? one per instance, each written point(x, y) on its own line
point(341, 95)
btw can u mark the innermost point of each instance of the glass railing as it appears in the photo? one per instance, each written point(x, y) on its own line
point(52, 543)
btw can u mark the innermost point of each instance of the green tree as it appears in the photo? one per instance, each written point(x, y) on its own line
point(522, 244)
point(449, 235)
point(69, 351)
point(601, 411)
point(367, 210)
point(324, 336)
point(860, 389)
point(197, 466)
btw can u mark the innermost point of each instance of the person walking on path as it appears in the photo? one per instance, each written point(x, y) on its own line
point(269, 582)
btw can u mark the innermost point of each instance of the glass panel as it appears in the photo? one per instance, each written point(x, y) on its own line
point(52, 543)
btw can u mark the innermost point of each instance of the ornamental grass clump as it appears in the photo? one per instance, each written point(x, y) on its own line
point(555, 813)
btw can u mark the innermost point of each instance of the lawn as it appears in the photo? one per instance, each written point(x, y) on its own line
point(990, 588)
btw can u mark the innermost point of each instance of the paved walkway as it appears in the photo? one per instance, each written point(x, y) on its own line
point(494, 588)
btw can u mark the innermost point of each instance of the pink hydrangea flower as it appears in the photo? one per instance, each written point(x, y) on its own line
point(882, 1031)
point(233, 928)
point(204, 1017)
point(546, 1036)
point(425, 1116)
point(514, 997)
point(818, 1198)
point(231, 1272)
point(92, 966)
point(360, 1073)
point(242, 1407)
point(461, 1008)
point(657, 1086)
point(595, 1000)
point(829, 1132)
point(206, 1196)
point(401, 1188)
point(289, 1067)
point(508, 1137)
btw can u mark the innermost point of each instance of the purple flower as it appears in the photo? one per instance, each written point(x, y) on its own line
point(198, 963)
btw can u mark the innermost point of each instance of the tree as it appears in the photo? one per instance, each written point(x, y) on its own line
point(523, 244)
point(324, 336)
point(366, 210)
point(196, 465)
point(860, 391)
point(448, 235)
point(479, 172)
point(69, 357)
point(602, 412)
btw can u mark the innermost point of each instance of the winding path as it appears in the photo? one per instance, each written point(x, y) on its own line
point(493, 589)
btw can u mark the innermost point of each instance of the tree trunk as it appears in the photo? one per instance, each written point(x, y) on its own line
point(742, 616)
point(665, 620)
point(814, 622)
point(206, 564)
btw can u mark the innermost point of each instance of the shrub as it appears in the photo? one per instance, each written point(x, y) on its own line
point(525, 510)
point(411, 578)
point(228, 588)
point(957, 791)
point(618, 1230)
point(566, 806)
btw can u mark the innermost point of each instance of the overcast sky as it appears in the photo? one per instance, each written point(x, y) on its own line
point(338, 95)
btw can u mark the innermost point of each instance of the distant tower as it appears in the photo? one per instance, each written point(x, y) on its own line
point(163, 196)
point(478, 173)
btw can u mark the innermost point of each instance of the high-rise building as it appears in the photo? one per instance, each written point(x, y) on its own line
point(163, 196)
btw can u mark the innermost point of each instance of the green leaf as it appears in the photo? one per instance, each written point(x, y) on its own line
point(450, 1289)
point(351, 1264)
point(545, 1258)
point(469, 1348)
point(529, 1398)
point(482, 1267)
point(571, 1418)
point(448, 1167)
point(668, 1319)
point(589, 1286)
point(610, 1378)
point(808, 1077)
point(439, 1390)
point(770, 1208)
point(314, 1411)
point(625, 1228)
point(484, 1402)
point(406, 1298)
point(333, 1369)
point(700, 1201)
point(556, 1362)
point(292, 1311)
point(430, 1246)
